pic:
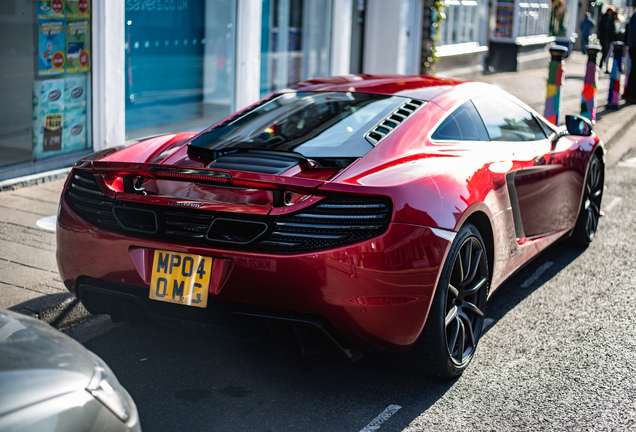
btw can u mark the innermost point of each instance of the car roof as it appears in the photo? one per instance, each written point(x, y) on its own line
point(414, 86)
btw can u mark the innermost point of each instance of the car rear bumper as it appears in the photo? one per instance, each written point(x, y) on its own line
point(374, 294)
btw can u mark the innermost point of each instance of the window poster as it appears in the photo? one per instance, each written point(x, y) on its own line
point(74, 129)
point(77, 8)
point(50, 8)
point(60, 96)
point(77, 46)
point(51, 47)
point(52, 132)
point(48, 108)
point(75, 92)
point(63, 100)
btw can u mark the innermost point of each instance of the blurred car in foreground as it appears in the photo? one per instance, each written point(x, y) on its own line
point(380, 211)
point(49, 382)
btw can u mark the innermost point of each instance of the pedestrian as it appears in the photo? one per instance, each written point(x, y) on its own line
point(611, 35)
point(630, 91)
point(605, 45)
point(586, 27)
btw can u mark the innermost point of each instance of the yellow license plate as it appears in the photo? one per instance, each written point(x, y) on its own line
point(180, 278)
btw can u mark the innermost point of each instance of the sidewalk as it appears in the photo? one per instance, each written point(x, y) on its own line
point(29, 280)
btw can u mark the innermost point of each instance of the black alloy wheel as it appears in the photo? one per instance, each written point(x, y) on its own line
point(456, 317)
point(590, 213)
point(466, 301)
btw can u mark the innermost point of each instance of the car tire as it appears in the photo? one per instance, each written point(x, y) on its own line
point(590, 212)
point(456, 317)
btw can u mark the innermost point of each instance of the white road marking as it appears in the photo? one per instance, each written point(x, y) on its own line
point(537, 273)
point(631, 162)
point(48, 223)
point(613, 203)
point(384, 416)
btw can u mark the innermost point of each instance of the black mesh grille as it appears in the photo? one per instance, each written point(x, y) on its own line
point(89, 201)
point(332, 222)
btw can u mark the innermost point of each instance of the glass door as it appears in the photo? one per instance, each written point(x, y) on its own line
point(295, 42)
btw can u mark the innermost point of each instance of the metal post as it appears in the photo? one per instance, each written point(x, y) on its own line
point(588, 98)
point(614, 97)
point(556, 76)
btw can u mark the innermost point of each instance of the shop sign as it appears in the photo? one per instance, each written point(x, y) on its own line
point(157, 5)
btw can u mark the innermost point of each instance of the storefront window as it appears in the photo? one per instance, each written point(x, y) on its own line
point(45, 69)
point(295, 42)
point(461, 24)
point(534, 18)
point(180, 62)
point(562, 18)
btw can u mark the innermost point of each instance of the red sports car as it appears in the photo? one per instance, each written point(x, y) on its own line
point(380, 211)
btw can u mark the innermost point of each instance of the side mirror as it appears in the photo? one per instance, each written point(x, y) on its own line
point(578, 125)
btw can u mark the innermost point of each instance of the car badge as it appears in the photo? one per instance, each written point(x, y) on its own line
point(185, 204)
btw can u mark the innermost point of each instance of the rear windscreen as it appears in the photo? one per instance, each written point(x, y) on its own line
point(314, 124)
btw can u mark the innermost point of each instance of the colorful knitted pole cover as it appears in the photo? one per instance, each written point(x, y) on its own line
point(556, 75)
point(588, 97)
point(614, 96)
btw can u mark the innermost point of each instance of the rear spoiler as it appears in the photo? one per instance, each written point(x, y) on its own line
point(132, 174)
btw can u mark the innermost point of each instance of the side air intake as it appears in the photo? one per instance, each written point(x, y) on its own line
point(393, 120)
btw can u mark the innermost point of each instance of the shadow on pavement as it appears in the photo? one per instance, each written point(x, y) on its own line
point(519, 287)
point(182, 380)
point(61, 310)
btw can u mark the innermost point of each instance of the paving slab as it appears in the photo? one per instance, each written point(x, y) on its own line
point(29, 205)
point(28, 236)
point(41, 259)
point(49, 191)
point(51, 286)
point(25, 277)
point(18, 217)
point(12, 251)
point(11, 296)
point(6, 264)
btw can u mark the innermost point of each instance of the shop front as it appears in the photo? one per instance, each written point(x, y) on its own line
point(520, 36)
point(181, 60)
point(46, 58)
point(461, 38)
point(180, 64)
point(81, 76)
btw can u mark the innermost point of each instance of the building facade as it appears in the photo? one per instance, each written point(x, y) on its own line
point(80, 76)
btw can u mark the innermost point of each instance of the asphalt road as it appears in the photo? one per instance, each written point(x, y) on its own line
point(559, 354)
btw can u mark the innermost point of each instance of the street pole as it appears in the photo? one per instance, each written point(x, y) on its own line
point(556, 75)
point(614, 96)
point(588, 97)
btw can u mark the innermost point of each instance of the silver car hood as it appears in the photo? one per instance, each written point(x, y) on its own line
point(38, 362)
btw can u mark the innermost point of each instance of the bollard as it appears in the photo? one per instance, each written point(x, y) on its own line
point(556, 75)
point(628, 70)
point(614, 96)
point(588, 98)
